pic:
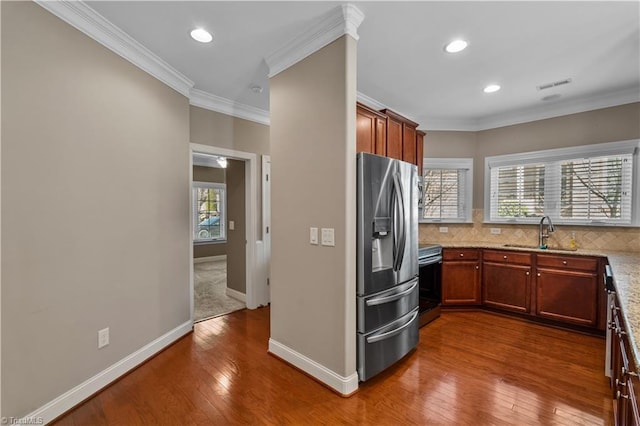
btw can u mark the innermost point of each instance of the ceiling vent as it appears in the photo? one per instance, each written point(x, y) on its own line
point(554, 84)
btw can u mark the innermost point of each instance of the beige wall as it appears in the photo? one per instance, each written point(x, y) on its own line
point(313, 168)
point(95, 207)
point(598, 126)
point(223, 131)
point(216, 175)
point(236, 239)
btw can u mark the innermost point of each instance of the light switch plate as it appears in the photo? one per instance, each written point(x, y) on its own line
point(313, 235)
point(328, 237)
point(496, 231)
point(444, 229)
point(232, 225)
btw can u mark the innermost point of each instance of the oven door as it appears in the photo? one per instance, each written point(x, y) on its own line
point(430, 278)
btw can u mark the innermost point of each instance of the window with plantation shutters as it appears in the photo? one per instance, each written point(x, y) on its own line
point(446, 190)
point(596, 189)
point(587, 185)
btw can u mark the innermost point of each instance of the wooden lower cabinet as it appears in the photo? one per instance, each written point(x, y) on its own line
point(461, 277)
point(568, 289)
point(625, 384)
point(506, 286)
point(567, 296)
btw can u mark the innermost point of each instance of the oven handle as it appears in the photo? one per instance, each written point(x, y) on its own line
point(388, 334)
point(430, 261)
point(387, 299)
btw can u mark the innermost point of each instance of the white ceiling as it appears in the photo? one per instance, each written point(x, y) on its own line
point(401, 62)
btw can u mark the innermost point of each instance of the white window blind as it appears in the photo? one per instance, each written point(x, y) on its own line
point(446, 190)
point(517, 191)
point(597, 189)
point(592, 184)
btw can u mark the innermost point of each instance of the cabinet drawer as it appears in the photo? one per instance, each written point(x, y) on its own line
point(460, 254)
point(568, 262)
point(515, 257)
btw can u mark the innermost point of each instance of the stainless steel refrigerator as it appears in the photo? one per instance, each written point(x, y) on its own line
point(387, 264)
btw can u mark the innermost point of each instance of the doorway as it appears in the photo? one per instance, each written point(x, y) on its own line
point(248, 220)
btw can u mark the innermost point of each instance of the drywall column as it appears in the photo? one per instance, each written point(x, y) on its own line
point(313, 185)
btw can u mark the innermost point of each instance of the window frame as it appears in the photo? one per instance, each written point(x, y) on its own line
point(465, 164)
point(223, 212)
point(551, 158)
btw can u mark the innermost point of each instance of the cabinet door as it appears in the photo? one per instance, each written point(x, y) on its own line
point(506, 286)
point(567, 296)
point(394, 138)
point(409, 144)
point(381, 136)
point(366, 131)
point(461, 283)
point(420, 149)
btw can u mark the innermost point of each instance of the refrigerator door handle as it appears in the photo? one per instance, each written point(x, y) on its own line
point(401, 242)
point(389, 334)
point(393, 297)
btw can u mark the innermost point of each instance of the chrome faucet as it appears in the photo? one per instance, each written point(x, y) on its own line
point(541, 235)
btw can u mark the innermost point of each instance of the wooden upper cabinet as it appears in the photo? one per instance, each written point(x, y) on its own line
point(371, 130)
point(409, 147)
point(420, 149)
point(388, 134)
point(394, 138)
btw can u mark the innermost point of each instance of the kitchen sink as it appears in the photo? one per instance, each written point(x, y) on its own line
point(535, 247)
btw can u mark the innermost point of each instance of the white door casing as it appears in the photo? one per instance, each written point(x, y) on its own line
point(266, 221)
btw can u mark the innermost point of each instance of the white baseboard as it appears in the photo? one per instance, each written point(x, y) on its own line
point(73, 397)
point(343, 385)
point(209, 258)
point(236, 295)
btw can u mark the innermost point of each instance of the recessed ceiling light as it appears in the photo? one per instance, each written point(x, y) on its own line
point(491, 88)
point(456, 46)
point(203, 36)
point(256, 89)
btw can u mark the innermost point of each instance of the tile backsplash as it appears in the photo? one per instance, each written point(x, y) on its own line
point(587, 237)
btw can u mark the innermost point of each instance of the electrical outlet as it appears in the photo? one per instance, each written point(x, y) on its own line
point(313, 236)
point(496, 231)
point(103, 337)
point(444, 229)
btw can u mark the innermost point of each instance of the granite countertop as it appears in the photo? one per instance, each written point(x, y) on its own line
point(626, 277)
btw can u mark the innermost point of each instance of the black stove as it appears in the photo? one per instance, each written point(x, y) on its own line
point(430, 267)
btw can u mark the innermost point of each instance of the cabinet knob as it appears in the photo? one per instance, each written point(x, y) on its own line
point(504, 257)
point(538, 273)
point(620, 395)
point(527, 273)
point(619, 383)
point(461, 254)
point(477, 267)
point(564, 262)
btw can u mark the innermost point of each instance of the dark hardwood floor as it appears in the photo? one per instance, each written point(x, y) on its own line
point(470, 368)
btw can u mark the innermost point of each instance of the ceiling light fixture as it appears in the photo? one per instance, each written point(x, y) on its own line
point(491, 88)
point(456, 46)
point(256, 88)
point(201, 35)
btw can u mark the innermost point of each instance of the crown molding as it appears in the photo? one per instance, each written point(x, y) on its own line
point(79, 15)
point(570, 106)
point(341, 20)
point(211, 102)
point(370, 102)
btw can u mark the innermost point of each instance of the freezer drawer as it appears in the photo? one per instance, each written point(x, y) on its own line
point(381, 348)
point(383, 307)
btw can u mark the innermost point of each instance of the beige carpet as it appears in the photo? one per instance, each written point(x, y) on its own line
point(210, 300)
